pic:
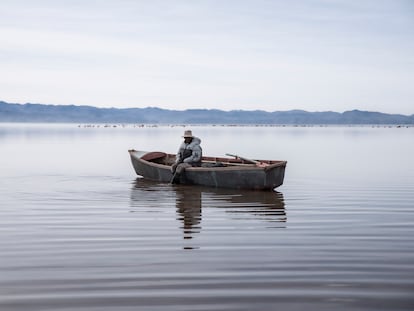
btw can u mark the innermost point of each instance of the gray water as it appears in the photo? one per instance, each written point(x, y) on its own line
point(79, 231)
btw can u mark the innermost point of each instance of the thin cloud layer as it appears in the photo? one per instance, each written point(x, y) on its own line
point(270, 55)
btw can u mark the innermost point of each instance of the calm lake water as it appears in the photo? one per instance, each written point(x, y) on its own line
point(79, 231)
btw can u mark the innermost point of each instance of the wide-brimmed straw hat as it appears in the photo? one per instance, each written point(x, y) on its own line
point(188, 134)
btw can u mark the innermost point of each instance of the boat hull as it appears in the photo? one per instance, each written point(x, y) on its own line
point(234, 176)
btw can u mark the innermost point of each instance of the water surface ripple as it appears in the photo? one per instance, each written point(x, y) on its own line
point(161, 246)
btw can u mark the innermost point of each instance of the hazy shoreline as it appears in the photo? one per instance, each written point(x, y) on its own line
point(39, 113)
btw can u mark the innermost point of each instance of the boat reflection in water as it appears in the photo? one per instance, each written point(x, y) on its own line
point(220, 203)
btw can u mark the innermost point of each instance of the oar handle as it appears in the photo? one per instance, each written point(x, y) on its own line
point(241, 158)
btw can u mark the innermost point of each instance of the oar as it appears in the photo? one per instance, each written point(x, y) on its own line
point(173, 177)
point(247, 160)
point(241, 158)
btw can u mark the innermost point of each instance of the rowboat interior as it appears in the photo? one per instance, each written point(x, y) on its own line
point(169, 159)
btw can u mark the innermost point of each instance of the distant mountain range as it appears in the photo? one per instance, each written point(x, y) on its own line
point(88, 114)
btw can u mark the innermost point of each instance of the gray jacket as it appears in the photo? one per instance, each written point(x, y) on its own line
point(190, 153)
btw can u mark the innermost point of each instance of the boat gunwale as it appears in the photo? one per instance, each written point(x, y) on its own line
point(233, 166)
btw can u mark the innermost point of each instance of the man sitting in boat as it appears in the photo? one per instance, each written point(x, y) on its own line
point(189, 154)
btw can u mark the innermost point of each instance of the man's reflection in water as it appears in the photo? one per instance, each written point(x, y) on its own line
point(188, 202)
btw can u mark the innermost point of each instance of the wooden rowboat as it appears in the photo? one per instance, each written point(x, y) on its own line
point(236, 173)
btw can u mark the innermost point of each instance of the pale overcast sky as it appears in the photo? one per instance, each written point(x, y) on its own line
point(273, 55)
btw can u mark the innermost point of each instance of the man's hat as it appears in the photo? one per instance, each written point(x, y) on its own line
point(188, 134)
